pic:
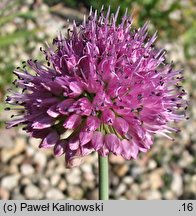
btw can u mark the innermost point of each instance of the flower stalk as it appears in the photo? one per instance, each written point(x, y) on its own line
point(103, 178)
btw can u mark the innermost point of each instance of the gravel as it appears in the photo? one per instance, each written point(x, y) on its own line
point(167, 171)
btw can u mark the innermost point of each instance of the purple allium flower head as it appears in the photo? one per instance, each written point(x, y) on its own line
point(106, 88)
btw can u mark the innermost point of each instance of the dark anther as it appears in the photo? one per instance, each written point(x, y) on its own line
point(158, 94)
point(41, 47)
point(11, 116)
point(129, 21)
point(8, 99)
point(180, 96)
point(102, 104)
point(139, 97)
point(173, 99)
point(126, 77)
point(23, 90)
point(145, 56)
point(102, 10)
point(110, 121)
point(183, 90)
point(161, 78)
point(16, 125)
point(53, 78)
point(90, 18)
point(186, 108)
point(179, 78)
point(139, 109)
point(14, 82)
point(178, 86)
point(178, 105)
point(35, 60)
point(99, 24)
point(23, 62)
point(156, 71)
point(24, 66)
point(170, 70)
point(187, 118)
point(18, 68)
point(48, 64)
point(169, 110)
point(161, 83)
point(121, 107)
point(7, 108)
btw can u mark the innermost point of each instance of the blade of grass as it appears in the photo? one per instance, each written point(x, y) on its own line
point(12, 38)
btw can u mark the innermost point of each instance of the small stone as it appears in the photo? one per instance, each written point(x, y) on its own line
point(145, 184)
point(153, 195)
point(121, 170)
point(86, 185)
point(18, 197)
point(17, 160)
point(62, 185)
point(30, 151)
point(177, 184)
point(74, 176)
point(4, 194)
point(32, 192)
point(55, 194)
point(135, 189)
point(44, 184)
point(120, 190)
point(18, 148)
point(152, 164)
point(169, 195)
point(34, 143)
point(87, 168)
point(91, 159)
point(51, 164)
point(129, 195)
point(26, 169)
point(60, 169)
point(93, 195)
point(12, 169)
point(75, 192)
point(136, 171)
point(89, 177)
point(155, 180)
point(40, 160)
point(25, 181)
point(10, 182)
point(54, 179)
point(116, 159)
point(186, 159)
point(6, 140)
point(115, 180)
point(128, 180)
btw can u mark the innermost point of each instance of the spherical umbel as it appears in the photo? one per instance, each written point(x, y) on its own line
point(105, 88)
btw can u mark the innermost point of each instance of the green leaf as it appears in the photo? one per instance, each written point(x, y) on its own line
point(6, 19)
point(12, 38)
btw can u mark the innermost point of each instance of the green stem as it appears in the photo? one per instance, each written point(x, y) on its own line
point(103, 178)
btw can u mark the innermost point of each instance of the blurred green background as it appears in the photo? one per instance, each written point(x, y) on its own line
point(25, 25)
